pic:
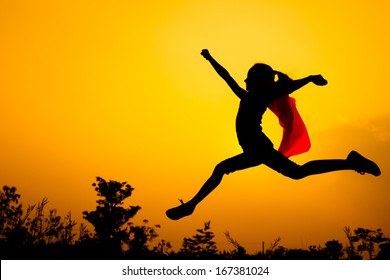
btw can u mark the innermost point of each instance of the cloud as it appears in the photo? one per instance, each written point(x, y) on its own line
point(379, 128)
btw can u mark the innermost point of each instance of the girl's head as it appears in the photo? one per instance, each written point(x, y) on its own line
point(260, 76)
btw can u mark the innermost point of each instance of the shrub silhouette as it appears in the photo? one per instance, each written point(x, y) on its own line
point(384, 253)
point(239, 252)
point(334, 250)
point(139, 237)
point(32, 236)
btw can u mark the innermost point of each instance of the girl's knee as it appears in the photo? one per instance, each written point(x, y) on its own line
point(223, 168)
point(295, 172)
point(297, 176)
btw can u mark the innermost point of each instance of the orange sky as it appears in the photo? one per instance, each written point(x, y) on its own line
point(119, 90)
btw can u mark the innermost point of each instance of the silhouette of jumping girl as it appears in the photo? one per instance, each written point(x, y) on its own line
point(261, 92)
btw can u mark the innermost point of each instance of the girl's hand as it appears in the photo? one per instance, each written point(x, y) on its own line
point(206, 54)
point(319, 80)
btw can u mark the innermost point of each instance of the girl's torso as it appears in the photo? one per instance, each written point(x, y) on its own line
point(249, 116)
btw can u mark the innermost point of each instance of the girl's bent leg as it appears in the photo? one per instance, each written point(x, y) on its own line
point(239, 162)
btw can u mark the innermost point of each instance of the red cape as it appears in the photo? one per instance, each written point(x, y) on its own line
point(295, 138)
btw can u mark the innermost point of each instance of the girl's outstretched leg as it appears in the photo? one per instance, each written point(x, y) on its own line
point(354, 161)
point(239, 162)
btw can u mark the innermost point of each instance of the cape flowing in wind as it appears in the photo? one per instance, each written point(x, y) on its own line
point(295, 138)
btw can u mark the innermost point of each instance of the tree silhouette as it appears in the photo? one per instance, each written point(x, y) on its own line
point(368, 239)
point(139, 236)
point(10, 211)
point(351, 250)
point(201, 245)
point(111, 217)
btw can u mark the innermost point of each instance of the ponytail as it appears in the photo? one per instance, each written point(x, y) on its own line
point(282, 78)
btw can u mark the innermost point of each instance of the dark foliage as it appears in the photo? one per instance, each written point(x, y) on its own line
point(39, 234)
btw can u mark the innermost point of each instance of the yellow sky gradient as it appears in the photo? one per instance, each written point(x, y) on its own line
point(119, 90)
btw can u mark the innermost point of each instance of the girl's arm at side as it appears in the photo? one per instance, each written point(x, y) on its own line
point(240, 92)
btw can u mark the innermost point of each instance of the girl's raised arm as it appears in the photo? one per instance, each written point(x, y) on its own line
point(287, 85)
point(240, 92)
